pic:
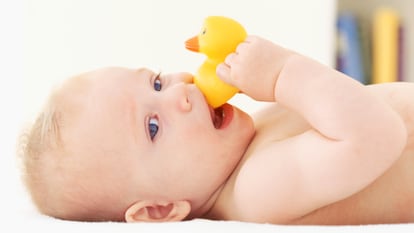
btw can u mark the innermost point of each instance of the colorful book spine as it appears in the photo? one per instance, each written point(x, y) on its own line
point(401, 54)
point(349, 57)
point(385, 46)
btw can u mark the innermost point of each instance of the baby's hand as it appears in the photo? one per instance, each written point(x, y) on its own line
point(254, 68)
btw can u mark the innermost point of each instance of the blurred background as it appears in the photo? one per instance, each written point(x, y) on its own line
point(63, 38)
point(45, 41)
point(375, 40)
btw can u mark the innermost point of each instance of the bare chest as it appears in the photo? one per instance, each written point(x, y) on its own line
point(277, 124)
point(390, 199)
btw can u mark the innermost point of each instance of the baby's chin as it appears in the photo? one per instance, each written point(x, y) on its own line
point(246, 124)
point(243, 129)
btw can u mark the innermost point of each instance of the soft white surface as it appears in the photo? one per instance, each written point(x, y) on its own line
point(46, 224)
point(17, 214)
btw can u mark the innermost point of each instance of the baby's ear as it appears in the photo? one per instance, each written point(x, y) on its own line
point(157, 211)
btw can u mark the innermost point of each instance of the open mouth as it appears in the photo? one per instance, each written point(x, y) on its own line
point(217, 116)
point(221, 116)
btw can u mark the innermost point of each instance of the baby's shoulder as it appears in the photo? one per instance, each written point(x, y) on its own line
point(393, 92)
point(399, 95)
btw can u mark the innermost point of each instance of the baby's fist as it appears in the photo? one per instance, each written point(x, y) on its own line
point(253, 68)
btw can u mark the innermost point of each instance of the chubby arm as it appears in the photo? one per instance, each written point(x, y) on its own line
point(354, 137)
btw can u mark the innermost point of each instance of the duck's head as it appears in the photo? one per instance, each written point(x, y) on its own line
point(218, 37)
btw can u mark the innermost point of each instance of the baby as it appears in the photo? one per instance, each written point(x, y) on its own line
point(119, 144)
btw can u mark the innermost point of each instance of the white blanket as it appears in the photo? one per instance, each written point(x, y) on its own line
point(20, 215)
point(46, 224)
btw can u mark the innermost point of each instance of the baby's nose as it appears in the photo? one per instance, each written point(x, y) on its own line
point(179, 97)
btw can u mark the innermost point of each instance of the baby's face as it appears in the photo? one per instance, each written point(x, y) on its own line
point(157, 133)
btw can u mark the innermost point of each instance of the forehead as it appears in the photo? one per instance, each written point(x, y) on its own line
point(104, 85)
point(102, 105)
point(107, 94)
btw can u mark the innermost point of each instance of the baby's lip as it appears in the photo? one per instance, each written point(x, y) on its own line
point(216, 116)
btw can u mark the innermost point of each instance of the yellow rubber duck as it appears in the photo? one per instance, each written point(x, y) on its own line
point(218, 38)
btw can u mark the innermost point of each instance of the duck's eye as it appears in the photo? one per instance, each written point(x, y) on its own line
point(157, 83)
point(153, 127)
point(203, 32)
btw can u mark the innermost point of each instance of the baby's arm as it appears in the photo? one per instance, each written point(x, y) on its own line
point(354, 138)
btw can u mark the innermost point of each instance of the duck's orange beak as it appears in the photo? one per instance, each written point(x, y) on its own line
point(192, 44)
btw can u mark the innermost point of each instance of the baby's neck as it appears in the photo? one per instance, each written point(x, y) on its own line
point(208, 205)
point(221, 199)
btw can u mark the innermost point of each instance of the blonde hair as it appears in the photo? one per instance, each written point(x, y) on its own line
point(51, 185)
point(43, 136)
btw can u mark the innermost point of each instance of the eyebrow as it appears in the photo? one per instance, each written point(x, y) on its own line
point(144, 71)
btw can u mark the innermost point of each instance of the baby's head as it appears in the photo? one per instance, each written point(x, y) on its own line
point(130, 145)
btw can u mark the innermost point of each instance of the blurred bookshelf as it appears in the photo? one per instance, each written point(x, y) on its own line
point(375, 40)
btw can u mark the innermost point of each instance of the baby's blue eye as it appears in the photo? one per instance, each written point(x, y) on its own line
point(157, 83)
point(153, 127)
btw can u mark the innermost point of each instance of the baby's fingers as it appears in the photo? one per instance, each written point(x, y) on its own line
point(230, 59)
point(223, 71)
